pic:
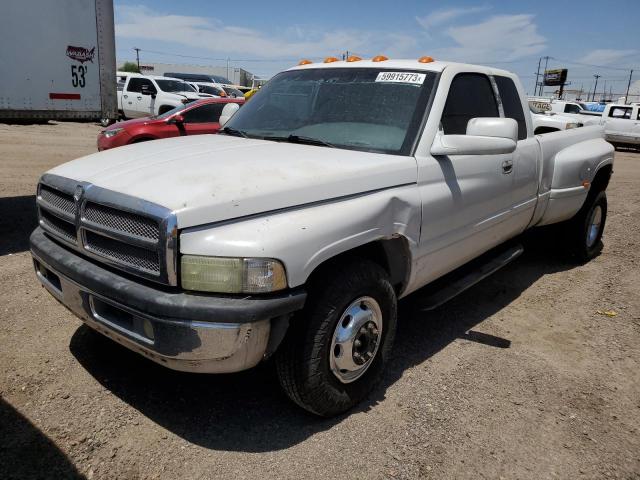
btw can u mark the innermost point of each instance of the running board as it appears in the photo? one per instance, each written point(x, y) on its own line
point(456, 282)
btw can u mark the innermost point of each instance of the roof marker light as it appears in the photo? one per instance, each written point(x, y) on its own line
point(426, 59)
point(379, 58)
point(304, 62)
point(353, 58)
point(330, 60)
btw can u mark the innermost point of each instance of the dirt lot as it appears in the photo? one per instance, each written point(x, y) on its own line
point(520, 377)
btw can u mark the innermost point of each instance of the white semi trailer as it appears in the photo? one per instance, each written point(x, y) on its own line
point(57, 60)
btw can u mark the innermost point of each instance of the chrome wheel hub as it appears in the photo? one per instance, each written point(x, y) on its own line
point(356, 339)
point(594, 226)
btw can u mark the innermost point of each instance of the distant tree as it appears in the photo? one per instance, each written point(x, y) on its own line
point(129, 67)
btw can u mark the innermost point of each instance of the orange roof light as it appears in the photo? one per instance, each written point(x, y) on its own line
point(353, 58)
point(330, 60)
point(304, 62)
point(379, 58)
point(426, 59)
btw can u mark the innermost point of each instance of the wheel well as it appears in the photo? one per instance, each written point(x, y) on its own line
point(543, 130)
point(391, 254)
point(601, 180)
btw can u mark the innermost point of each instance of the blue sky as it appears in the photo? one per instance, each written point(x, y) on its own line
point(268, 36)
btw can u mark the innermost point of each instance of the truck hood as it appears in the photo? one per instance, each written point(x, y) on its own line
point(211, 178)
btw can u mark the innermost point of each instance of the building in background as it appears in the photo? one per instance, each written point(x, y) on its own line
point(236, 75)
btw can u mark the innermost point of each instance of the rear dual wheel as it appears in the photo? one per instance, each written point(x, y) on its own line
point(336, 348)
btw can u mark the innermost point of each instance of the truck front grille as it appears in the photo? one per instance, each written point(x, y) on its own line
point(121, 231)
point(57, 200)
point(120, 221)
point(123, 253)
point(61, 227)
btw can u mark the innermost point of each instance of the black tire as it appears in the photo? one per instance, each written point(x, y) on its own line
point(303, 361)
point(578, 229)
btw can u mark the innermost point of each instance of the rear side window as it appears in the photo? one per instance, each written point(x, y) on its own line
point(620, 112)
point(511, 104)
point(470, 96)
point(208, 113)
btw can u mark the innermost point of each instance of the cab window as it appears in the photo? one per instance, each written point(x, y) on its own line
point(571, 108)
point(208, 113)
point(470, 96)
point(511, 104)
point(620, 112)
point(135, 85)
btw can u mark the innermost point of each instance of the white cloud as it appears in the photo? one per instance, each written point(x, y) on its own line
point(443, 16)
point(499, 38)
point(209, 34)
point(608, 57)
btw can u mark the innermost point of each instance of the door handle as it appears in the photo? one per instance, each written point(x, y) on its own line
point(139, 98)
point(126, 96)
point(507, 166)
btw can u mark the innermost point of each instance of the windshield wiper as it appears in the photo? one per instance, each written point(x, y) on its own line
point(234, 132)
point(299, 139)
point(309, 141)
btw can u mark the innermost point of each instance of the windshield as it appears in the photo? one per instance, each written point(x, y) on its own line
point(170, 112)
point(355, 108)
point(174, 86)
point(234, 92)
point(210, 90)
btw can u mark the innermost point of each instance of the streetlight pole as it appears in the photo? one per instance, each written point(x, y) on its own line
point(593, 99)
point(535, 89)
point(626, 99)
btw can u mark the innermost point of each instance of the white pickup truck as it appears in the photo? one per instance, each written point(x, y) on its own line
point(340, 188)
point(145, 95)
point(622, 124)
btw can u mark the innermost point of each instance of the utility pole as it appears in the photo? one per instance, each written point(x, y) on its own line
point(137, 57)
point(626, 99)
point(595, 88)
point(535, 89)
point(228, 59)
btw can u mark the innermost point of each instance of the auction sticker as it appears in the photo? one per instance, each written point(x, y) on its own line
point(401, 77)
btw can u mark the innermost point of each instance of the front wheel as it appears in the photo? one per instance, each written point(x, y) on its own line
point(586, 228)
point(336, 349)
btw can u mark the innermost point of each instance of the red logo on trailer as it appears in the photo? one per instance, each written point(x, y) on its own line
point(81, 54)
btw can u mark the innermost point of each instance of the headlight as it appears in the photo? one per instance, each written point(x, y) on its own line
point(232, 275)
point(572, 125)
point(113, 132)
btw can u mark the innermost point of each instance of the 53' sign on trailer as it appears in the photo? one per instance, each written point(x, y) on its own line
point(58, 59)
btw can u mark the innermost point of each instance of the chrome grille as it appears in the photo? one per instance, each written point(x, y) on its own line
point(120, 221)
point(121, 252)
point(61, 201)
point(122, 231)
point(65, 229)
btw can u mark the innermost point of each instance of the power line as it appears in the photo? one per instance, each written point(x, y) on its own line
point(590, 64)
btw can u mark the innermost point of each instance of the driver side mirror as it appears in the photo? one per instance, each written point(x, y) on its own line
point(485, 136)
point(227, 112)
point(147, 90)
point(176, 120)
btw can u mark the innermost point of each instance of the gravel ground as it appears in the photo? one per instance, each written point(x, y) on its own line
point(519, 377)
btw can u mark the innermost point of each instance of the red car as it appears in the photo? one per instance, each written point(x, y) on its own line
point(195, 118)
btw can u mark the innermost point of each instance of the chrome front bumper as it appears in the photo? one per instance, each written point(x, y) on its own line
point(194, 333)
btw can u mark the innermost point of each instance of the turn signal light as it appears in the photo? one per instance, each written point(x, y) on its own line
point(353, 58)
point(425, 59)
point(330, 60)
point(379, 58)
point(304, 62)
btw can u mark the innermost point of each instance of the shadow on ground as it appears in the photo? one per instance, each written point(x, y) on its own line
point(248, 412)
point(25, 452)
point(18, 218)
